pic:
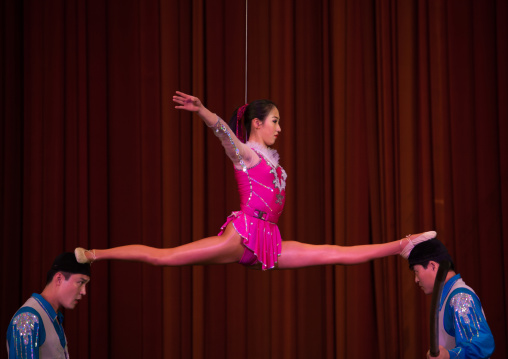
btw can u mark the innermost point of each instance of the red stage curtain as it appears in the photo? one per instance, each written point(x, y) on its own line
point(394, 121)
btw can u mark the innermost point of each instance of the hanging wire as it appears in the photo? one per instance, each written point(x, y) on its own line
point(246, 19)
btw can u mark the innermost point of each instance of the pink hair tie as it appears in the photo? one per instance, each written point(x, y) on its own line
point(240, 134)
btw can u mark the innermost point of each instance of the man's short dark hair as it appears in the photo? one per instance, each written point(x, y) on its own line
point(67, 264)
point(431, 250)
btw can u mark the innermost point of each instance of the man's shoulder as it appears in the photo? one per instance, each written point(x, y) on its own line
point(26, 314)
point(463, 299)
point(26, 311)
point(460, 287)
point(463, 292)
point(26, 330)
point(26, 319)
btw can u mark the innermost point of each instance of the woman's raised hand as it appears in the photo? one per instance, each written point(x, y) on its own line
point(193, 104)
point(187, 102)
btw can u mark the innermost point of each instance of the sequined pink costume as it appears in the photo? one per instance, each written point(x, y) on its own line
point(261, 184)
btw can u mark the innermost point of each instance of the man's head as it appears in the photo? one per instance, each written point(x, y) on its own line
point(66, 281)
point(424, 260)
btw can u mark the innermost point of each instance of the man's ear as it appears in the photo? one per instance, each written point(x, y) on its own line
point(58, 278)
point(434, 266)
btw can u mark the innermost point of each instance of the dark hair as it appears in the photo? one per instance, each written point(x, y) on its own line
point(256, 109)
point(426, 264)
point(52, 272)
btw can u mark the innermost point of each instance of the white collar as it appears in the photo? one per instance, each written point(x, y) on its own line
point(268, 153)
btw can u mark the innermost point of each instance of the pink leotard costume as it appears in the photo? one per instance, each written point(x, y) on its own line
point(261, 184)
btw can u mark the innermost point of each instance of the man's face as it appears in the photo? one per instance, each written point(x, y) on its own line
point(72, 290)
point(425, 278)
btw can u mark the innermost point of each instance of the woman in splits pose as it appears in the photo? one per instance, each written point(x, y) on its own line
point(250, 236)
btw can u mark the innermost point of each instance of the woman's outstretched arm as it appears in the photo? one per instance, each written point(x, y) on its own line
point(241, 154)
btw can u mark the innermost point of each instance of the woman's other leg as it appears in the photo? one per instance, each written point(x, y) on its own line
point(226, 248)
point(297, 254)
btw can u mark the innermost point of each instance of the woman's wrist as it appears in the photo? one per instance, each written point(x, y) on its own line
point(207, 116)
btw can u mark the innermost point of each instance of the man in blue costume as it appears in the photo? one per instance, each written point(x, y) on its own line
point(463, 329)
point(36, 329)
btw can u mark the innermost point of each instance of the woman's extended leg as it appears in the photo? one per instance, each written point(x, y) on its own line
point(227, 248)
point(296, 254)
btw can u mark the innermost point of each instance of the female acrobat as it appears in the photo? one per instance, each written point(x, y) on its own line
point(250, 236)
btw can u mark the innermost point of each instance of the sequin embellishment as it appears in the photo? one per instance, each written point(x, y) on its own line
point(219, 130)
point(24, 323)
point(461, 303)
point(466, 318)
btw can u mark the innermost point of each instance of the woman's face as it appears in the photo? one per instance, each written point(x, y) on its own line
point(269, 129)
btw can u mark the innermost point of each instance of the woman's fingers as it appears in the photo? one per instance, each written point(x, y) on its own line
point(182, 94)
point(186, 102)
point(184, 98)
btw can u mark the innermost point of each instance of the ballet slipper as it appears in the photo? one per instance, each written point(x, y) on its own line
point(404, 253)
point(81, 257)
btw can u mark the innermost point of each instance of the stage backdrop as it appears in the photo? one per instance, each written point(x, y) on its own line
point(394, 121)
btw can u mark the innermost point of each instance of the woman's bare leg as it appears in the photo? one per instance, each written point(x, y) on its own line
point(297, 254)
point(227, 248)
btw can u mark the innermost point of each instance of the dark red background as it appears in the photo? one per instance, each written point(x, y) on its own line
point(394, 121)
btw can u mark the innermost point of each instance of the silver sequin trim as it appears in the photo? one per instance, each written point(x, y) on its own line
point(218, 128)
point(24, 323)
point(466, 319)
